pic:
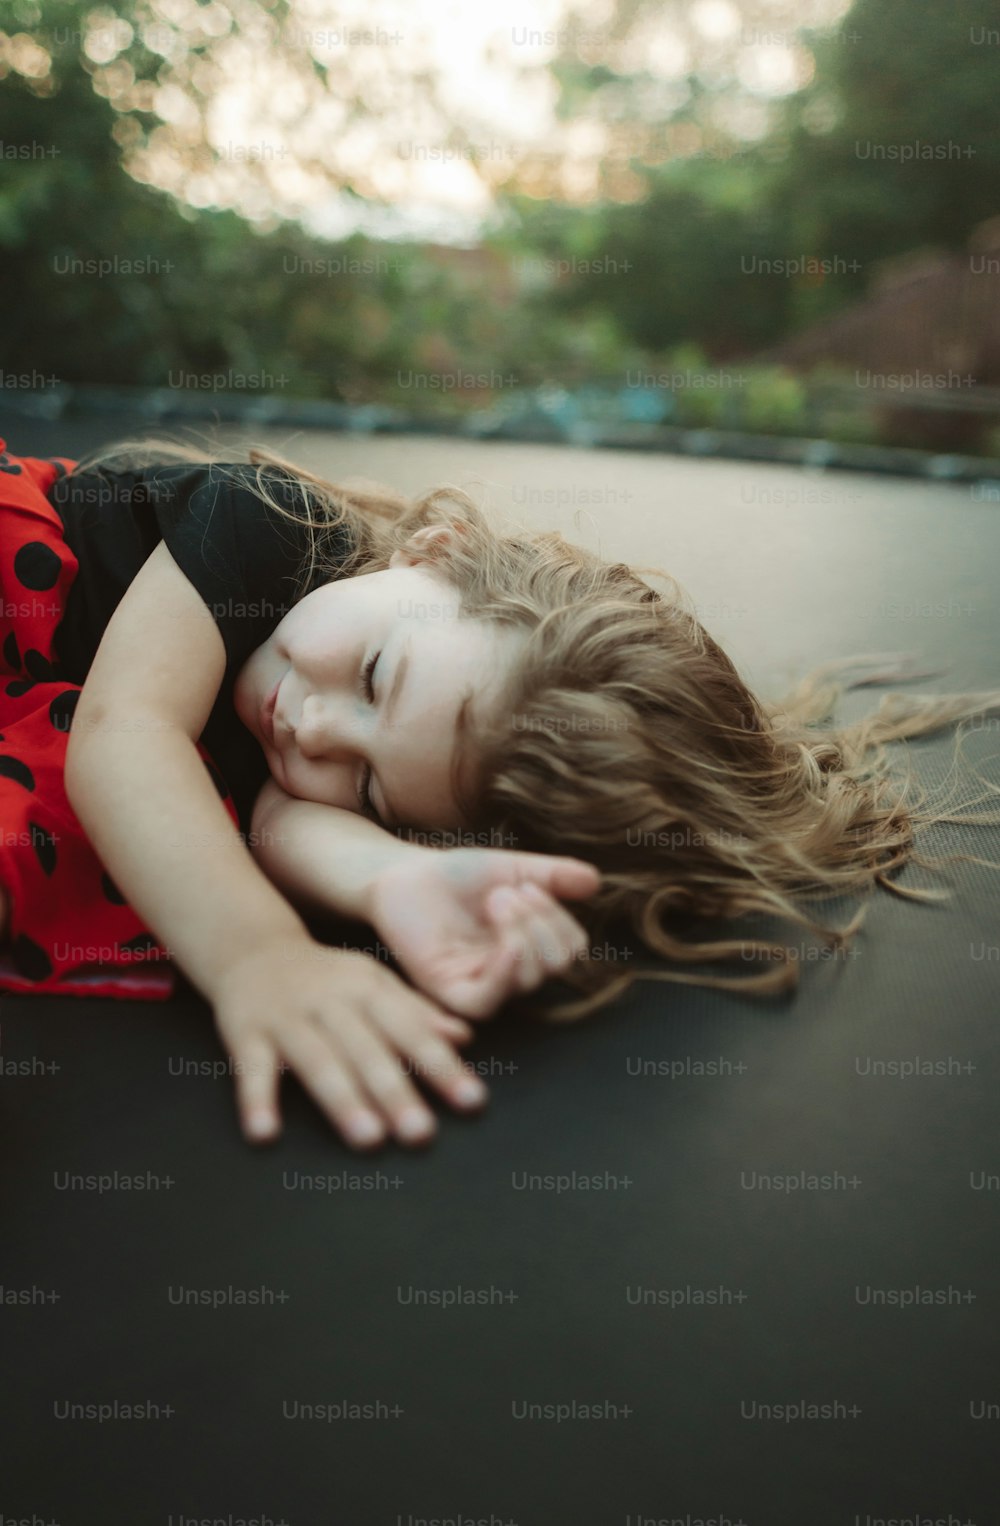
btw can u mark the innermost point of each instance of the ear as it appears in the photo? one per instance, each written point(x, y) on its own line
point(421, 546)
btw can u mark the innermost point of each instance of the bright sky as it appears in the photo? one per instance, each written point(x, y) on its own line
point(490, 67)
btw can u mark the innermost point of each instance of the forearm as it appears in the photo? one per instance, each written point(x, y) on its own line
point(324, 858)
point(154, 817)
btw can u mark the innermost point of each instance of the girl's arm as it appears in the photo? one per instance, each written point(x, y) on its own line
point(135, 778)
point(471, 926)
point(138, 785)
point(323, 858)
point(154, 817)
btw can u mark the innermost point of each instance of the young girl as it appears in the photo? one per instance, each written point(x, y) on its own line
point(354, 681)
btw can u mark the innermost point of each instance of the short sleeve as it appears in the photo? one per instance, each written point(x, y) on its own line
point(242, 556)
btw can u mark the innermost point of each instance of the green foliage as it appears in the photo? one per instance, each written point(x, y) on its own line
point(776, 403)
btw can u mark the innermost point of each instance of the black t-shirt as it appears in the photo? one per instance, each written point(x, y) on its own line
point(240, 555)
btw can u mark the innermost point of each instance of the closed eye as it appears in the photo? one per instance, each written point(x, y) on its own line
point(366, 677)
point(364, 787)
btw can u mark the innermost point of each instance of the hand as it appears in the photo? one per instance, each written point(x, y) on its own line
point(350, 1029)
point(473, 926)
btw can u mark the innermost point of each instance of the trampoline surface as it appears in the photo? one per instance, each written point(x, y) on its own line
point(704, 1258)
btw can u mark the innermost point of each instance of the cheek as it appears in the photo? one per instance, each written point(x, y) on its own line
point(321, 625)
point(323, 784)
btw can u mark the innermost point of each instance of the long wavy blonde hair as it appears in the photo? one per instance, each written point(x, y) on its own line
point(631, 741)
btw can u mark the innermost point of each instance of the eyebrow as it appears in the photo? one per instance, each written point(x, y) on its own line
point(397, 684)
point(461, 726)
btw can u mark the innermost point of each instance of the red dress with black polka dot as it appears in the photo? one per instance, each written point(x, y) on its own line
point(70, 930)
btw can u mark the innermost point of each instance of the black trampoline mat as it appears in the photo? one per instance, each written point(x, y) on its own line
point(703, 1259)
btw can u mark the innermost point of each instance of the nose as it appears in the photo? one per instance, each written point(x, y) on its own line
point(324, 731)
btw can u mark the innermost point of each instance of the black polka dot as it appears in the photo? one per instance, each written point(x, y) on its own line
point(13, 768)
point(62, 709)
point(37, 566)
point(11, 652)
point(44, 845)
point(30, 960)
point(111, 891)
point(142, 943)
point(59, 468)
point(8, 466)
point(39, 667)
point(19, 686)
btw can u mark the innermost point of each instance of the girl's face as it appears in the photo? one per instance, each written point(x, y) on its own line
point(369, 674)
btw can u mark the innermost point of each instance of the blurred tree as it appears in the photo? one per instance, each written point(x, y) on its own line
point(894, 143)
point(708, 173)
point(888, 144)
point(295, 90)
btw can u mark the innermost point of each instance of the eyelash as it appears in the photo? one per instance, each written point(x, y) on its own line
point(366, 688)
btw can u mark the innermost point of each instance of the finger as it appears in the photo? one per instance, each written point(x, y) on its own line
point(479, 995)
point(503, 906)
point(430, 1059)
point(524, 931)
point(571, 879)
point(257, 1071)
point(545, 948)
point(379, 1071)
point(456, 1029)
point(568, 940)
point(329, 1080)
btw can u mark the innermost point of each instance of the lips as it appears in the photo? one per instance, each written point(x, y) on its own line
point(267, 714)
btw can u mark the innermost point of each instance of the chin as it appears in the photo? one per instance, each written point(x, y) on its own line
point(279, 772)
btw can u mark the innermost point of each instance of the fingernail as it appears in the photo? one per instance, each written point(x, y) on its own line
point(413, 1124)
point(469, 1090)
point(260, 1125)
point(364, 1128)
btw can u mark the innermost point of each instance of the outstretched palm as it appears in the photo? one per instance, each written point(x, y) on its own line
point(445, 916)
